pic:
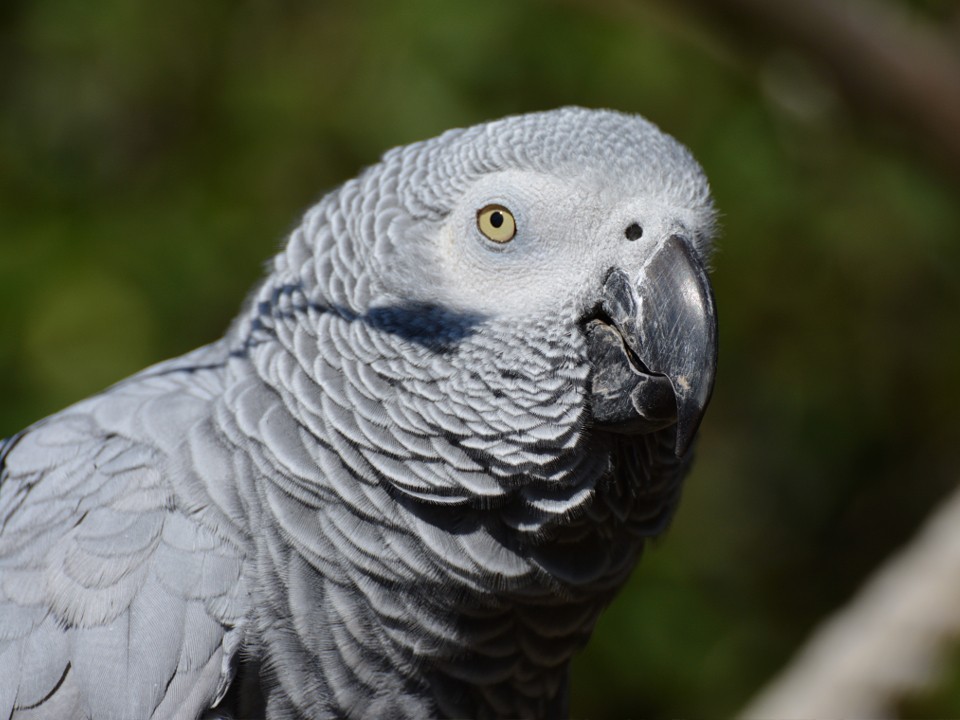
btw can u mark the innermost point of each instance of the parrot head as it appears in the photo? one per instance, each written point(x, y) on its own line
point(592, 220)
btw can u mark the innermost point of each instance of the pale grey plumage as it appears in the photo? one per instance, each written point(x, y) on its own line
point(381, 494)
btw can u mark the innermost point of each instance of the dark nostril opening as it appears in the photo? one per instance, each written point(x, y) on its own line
point(633, 231)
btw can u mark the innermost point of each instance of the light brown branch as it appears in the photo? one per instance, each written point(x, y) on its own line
point(891, 65)
point(889, 62)
point(887, 643)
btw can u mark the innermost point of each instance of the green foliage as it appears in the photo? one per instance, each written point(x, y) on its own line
point(152, 155)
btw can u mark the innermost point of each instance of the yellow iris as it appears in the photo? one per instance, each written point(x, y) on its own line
point(497, 223)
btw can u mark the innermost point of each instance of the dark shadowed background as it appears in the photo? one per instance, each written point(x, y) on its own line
point(154, 154)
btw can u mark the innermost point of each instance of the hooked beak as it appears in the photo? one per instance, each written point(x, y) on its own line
point(654, 348)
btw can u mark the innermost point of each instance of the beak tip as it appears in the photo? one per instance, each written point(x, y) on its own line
point(692, 397)
point(686, 432)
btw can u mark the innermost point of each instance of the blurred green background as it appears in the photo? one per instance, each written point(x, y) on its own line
point(153, 155)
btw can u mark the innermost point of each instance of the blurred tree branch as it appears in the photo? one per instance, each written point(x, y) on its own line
point(885, 61)
point(888, 643)
point(881, 58)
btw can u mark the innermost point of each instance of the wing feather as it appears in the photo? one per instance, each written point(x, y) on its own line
point(116, 600)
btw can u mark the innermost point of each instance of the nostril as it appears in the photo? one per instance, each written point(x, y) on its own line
point(633, 231)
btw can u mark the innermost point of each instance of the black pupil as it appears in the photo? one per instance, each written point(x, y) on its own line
point(633, 231)
point(496, 218)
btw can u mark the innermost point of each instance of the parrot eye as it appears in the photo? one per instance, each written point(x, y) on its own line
point(497, 223)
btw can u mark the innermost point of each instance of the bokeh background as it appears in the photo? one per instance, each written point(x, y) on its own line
point(154, 154)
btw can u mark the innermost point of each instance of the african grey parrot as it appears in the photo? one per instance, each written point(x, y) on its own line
point(413, 472)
